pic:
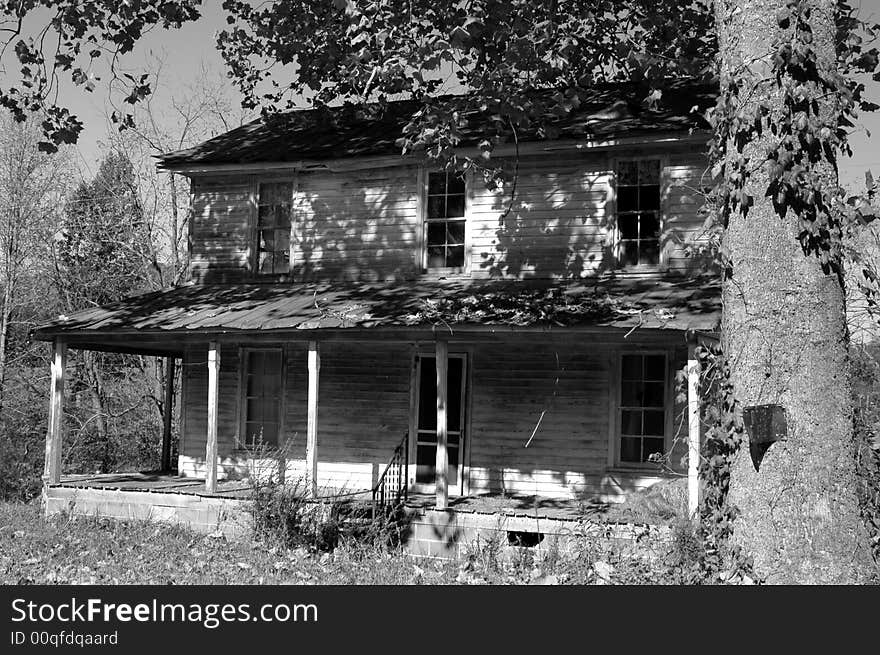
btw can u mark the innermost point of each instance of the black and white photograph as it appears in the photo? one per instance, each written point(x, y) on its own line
point(404, 293)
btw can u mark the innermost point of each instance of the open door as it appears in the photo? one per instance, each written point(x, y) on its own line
point(423, 450)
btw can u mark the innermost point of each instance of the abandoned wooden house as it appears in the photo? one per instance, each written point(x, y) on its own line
point(366, 319)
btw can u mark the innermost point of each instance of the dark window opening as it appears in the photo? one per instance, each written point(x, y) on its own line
point(638, 212)
point(262, 397)
point(426, 442)
point(273, 228)
point(524, 539)
point(445, 221)
point(642, 414)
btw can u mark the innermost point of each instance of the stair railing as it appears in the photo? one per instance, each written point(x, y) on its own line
point(393, 484)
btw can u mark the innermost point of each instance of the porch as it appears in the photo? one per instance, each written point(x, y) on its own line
point(507, 405)
point(510, 520)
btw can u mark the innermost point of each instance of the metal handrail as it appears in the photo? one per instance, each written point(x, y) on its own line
point(399, 463)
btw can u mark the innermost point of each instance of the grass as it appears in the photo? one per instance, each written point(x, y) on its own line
point(63, 550)
point(88, 550)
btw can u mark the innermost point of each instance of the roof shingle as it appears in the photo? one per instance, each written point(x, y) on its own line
point(352, 130)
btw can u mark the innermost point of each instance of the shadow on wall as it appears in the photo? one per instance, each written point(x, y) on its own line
point(363, 226)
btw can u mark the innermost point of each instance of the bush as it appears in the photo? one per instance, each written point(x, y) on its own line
point(284, 516)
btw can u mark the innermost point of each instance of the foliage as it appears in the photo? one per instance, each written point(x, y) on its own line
point(82, 33)
point(723, 436)
point(101, 246)
point(866, 394)
point(500, 52)
point(518, 307)
point(22, 435)
point(283, 515)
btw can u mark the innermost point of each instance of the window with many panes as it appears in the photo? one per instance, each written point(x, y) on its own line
point(642, 412)
point(263, 389)
point(273, 228)
point(638, 212)
point(445, 222)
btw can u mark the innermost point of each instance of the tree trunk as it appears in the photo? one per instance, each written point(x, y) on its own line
point(784, 330)
point(96, 396)
point(5, 314)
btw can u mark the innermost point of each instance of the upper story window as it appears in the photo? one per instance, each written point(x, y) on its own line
point(445, 222)
point(642, 408)
point(638, 212)
point(273, 228)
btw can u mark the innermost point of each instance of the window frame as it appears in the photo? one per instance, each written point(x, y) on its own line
point(616, 406)
point(244, 352)
point(662, 257)
point(254, 255)
point(451, 271)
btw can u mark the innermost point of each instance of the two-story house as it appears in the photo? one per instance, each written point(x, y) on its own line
point(344, 300)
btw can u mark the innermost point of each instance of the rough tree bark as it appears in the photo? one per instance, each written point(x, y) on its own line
point(784, 330)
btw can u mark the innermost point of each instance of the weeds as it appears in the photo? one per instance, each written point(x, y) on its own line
point(285, 516)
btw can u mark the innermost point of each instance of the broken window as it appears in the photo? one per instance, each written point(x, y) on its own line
point(263, 393)
point(638, 212)
point(273, 227)
point(445, 222)
point(642, 413)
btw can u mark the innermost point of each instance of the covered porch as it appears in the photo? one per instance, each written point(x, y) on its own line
point(516, 521)
point(201, 328)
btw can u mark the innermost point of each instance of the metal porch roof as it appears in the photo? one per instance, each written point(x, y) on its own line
point(671, 304)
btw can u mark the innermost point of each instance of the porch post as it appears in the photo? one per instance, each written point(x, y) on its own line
point(52, 467)
point(166, 418)
point(213, 409)
point(693, 377)
point(442, 464)
point(312, 421)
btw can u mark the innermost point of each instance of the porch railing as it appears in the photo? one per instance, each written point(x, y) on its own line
point(393, 484)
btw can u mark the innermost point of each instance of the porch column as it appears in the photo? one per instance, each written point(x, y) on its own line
point(52, 468)
point(166, 418)
point(213, 409)
point(312, 424)
point(693, 377)
point(442, 463)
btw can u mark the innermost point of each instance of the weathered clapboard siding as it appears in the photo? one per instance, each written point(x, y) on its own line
point(360, 225)
point(686, 180)
point(195, 407)
point(556, 226)
point(512, 386)
point(363, 412)
point(365, 225)
point(364, 409)
point(222, 228)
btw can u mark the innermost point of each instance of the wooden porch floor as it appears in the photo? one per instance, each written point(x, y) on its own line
point(492, 503)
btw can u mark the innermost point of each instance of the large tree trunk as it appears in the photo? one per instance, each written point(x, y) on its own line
point(784, 330)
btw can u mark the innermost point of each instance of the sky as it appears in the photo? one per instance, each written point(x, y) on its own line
point(185, 51)
point(193, 46)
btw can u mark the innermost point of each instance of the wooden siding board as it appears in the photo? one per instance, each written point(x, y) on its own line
point(364, 406)
point(366, 225)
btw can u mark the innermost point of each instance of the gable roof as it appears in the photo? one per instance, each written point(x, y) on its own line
point(353, 130)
